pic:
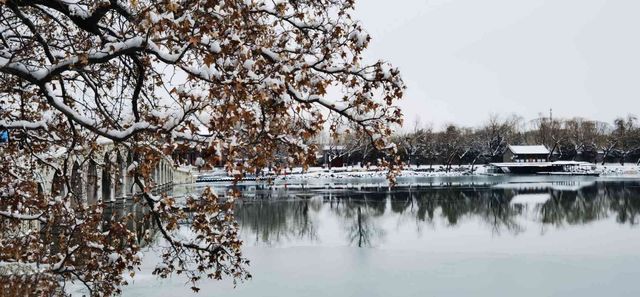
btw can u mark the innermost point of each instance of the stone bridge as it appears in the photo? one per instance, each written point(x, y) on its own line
point(105, 178)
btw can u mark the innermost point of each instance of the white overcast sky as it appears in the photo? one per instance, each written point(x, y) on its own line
point(464, 59)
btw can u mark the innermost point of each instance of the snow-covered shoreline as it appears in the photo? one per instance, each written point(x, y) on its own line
point(356, 172)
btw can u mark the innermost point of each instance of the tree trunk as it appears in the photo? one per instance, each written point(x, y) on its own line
point(553, 149)
point(604, 156)
point(473, 163)
point(607, 151)
point(449, 162)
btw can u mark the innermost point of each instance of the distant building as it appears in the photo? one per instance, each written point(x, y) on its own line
point(526, 154)
point(332, 155)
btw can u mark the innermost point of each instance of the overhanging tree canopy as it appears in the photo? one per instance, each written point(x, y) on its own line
point(237, 79)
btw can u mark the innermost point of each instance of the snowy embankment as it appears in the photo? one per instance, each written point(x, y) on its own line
point(356, 172)
point(617, 170)
point(350, 172)
point(374, 172)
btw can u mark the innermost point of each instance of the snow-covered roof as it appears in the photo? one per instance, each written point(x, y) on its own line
point(528, 149)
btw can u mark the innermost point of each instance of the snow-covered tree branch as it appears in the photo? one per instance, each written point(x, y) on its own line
point(145, 80)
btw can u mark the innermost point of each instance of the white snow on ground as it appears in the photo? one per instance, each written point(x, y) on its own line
point(357, 172)
point(373, 172)
point(353, 172)
point(617, 170)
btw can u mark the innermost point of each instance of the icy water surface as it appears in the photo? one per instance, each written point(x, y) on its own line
point(489, 236)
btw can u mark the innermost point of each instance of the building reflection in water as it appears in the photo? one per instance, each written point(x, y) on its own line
point(271, 218)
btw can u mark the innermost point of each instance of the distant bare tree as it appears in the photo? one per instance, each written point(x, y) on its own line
point(551, 133)
point(409, 142)
point(583, 134)
point(449, 144)
point(428, 149)
point(626, 135)
point(495, 136)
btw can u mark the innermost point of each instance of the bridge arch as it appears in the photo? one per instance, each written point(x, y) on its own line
point(119, 180)
point(92, 182)
point(107, 184)
point(103, 177)
point(58, 187)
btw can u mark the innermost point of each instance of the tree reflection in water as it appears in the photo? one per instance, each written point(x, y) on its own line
point(272, 222)
point(361, 212)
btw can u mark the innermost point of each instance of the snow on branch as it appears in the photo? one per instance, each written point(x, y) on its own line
point(89, 88)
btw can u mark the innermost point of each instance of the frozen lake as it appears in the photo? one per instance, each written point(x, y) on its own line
point(464, 236)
